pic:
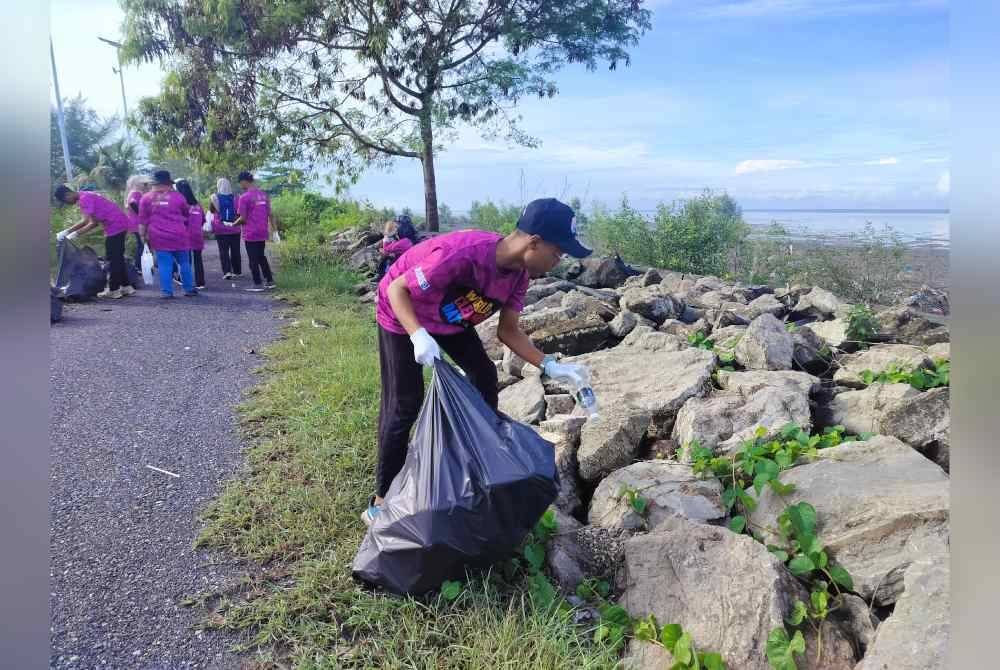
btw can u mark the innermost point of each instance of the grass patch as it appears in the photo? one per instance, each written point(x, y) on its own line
point(296, 510)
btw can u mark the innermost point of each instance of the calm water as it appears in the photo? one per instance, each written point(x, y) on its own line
point(920, 227)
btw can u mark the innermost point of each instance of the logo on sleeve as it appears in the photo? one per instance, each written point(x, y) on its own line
point(425, 285)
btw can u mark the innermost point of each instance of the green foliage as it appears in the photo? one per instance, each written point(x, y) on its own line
point(922, 379)
point(701, 341)
point(592, 589)
point(450, 590)
point(695, 236)
point(634, 499)
point(310, 215)
point(781, 650)
point(86, 133)
point(500, 218)
point(861, 324)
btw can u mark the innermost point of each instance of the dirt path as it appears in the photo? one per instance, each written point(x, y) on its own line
point(136, 382)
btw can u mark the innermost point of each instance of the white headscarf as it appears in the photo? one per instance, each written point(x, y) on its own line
point(135, 183)
point(223, 186)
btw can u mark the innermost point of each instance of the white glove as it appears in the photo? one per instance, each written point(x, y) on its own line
point(61, 235)
point(566, 372)
point(72, 236)
point(425, 347)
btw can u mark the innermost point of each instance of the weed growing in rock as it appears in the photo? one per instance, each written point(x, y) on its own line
point(922, 379)
point(861, 324)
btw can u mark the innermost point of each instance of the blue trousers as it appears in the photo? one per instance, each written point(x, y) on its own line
point(165, 260)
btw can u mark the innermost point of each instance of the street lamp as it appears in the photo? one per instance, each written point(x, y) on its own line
point(59, 117)
point(121, 79)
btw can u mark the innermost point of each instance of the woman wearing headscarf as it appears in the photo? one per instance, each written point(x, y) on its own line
point(222, 204)
point(134, 188)
point(197, 238)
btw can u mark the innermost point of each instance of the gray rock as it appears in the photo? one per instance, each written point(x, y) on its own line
point(543, 318)
point(652, 303)
point(940, 351)
point(858, 622)
point(765, 304)
point(863, 411)
point(560, 403)
point(681, 329)
point(623, 324)
point(487, 332)
point(726, 339)
point(539, 290)
point(790, 294)
point(819, 303)
point(504, 378)
point(654, 341)
point(584, 305)
point(654, 382)
point(513, 364)
point(728, 314)
point(691, 314)
point(879, 506)
point(600, 272)
point(365, 259)
point(930, 301)
point(524, 401)
point(646, 656)
point(833, 332)
point(923, 421)
point(766, 345)
point(567, 426)
point(681, 574)
point(751, 381)
point(905, 324)
point(650, 277)
point(568, 496)
point(878, 358)
point(573, 336)
point(581, 552)
point(918, 633)
point(548, 302)
point(723, 421)
point(612, 441)
point(809, 351)
point(670, 489)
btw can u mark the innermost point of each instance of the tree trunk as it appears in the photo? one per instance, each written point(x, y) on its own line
point(427, 159)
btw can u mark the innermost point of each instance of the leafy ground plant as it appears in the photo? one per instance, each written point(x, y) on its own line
point(922, 379)
point(861, 324)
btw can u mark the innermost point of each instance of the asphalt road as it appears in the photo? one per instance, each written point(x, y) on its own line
point(142, 382)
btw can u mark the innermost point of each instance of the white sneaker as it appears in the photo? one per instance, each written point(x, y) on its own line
point(127, 290)
point(108, 293)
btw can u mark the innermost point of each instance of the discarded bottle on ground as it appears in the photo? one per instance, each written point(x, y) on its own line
point(583, 393)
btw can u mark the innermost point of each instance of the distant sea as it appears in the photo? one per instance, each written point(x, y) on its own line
point(916, 227)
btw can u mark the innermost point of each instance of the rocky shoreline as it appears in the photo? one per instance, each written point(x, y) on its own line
point(690, 371)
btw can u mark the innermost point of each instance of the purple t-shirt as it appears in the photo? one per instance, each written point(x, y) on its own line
point(105, 212)
point(255, 207)
point(398, 247)
point(133, 217)
point(195, 220)
point(454, 283)
point(166, 215)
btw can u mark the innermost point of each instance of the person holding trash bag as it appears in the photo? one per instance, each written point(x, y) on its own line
point(163, 224)
point(432, 297)
point(135, 187)
point(254, 215)
point(98, 210)
point(222, 205)
point(195, 234)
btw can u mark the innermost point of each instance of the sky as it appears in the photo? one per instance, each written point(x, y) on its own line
point(780, 103)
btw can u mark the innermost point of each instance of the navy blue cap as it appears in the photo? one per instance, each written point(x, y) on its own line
point(554, 222)
point(244, 176)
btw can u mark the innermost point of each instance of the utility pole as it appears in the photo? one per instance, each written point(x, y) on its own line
point(121, 79)
point(59, 115)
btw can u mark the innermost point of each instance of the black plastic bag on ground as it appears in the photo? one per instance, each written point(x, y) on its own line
point(474, 484)
point(55, 305)
point(81, 275)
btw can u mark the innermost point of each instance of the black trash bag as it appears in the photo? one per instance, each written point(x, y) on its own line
point(133, 276)
point(474, 484)
point(55, 306)
point(81, 275)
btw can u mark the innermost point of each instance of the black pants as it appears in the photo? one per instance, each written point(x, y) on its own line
point(199, 268)
point(258, 262)
point(139, 246)
point(403, 391)
point(114, 250)
point(229, 253)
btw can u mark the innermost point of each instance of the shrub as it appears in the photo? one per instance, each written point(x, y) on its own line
point(500, 218)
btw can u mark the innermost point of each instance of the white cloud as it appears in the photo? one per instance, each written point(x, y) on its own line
point(934, 160)
point(890, 160)
point(944, 183)
point(768, 165)
point(791, 9)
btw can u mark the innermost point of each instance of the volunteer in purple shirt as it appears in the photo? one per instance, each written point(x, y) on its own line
point(196, 219)
point(134, 188)
point(254, 210)
point(163, 224)
point(435, 293)
point(98, 210)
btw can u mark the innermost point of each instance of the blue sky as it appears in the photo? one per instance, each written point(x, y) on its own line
point(781, 103)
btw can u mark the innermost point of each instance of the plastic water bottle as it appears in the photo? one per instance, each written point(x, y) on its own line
point(147, 267)
point(583, 393)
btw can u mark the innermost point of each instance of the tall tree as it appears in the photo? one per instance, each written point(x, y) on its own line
point(361, 82)
point(86, 132)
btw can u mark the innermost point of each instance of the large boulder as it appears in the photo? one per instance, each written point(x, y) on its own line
point(670, 489)
point(573, 336)
point(751, 381)
point(539, 290)
point(543, 318)
point(487, 332)
point(917, 634)
point(623, 324)
point(723, 421)
point(863, 411)
point(905, 324)
point(654, 382)
point(612, 441)
point(809, 351)
point(365, 259)
point(652, 303)
point(597, 272)
point(765, 304)
point(725, 589)
point(879, 504)
point(568, 496)
point(923, 421)
point(559, 403)
point(818, 303)
point(728, 338)
point(646, 338)
point(584, 304)
point(878, 358)
point(833, 332)
point(766, 345)
point(940, 351)
point(566, 426)
point(577, 552)
point(929, 301)
point(524, 401)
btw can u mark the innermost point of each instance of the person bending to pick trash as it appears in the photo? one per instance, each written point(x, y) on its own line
point(98, 210)
point(432, 297)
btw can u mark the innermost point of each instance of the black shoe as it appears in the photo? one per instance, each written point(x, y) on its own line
point(190, 294)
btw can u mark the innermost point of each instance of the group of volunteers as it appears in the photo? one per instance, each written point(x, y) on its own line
point(166, 218)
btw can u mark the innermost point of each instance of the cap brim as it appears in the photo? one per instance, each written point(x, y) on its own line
point(573, 247)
